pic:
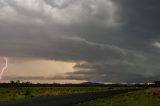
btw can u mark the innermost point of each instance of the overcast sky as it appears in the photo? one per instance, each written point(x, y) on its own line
point(83, 40)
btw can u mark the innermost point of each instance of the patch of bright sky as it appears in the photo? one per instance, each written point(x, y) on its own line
point(45, 68)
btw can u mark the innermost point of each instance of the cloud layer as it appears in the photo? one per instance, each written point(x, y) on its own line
point(110, 40)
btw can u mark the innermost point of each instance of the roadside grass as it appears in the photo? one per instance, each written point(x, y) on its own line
point(137, 98)
point(10, 94)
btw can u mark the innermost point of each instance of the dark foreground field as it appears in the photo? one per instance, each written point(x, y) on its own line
point(65, 100)
point(146, 97)
point(20, 93)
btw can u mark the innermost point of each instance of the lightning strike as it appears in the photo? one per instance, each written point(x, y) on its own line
point(4, 68)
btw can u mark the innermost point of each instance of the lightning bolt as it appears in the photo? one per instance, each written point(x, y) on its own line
point(4, 68)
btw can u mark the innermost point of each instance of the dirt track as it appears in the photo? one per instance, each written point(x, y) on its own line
point(66, 100)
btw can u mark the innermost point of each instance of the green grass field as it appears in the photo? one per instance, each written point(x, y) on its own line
point(149, 97)
point(8, 94)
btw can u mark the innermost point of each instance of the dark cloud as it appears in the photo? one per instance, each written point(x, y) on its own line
point(110, 40)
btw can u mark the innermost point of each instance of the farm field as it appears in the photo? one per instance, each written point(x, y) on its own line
point(10, 94)
point(150, 97)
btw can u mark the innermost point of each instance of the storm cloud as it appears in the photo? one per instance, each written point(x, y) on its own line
point(110, 40)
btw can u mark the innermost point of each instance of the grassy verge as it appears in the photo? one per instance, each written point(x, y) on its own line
point(7, 94)
point(138, 98)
